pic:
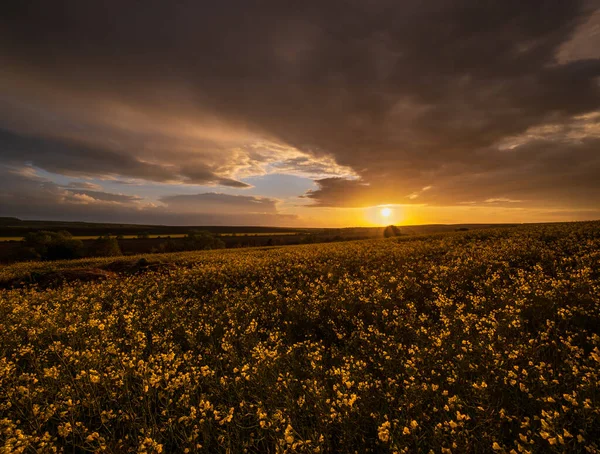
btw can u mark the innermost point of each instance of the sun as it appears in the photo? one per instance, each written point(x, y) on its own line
point(382, 215)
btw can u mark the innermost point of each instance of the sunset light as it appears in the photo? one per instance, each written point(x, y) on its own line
point(288, 227)
point(384, 215)
point(304, 121)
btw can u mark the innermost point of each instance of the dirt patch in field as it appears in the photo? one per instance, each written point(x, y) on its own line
point(57, 278)
point(136, 266)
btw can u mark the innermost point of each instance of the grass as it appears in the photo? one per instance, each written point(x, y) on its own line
point(484, 341)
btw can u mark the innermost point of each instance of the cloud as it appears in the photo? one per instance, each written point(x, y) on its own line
point(83, 185)
point(213, 202)
point(105, 196)
point(73, 158)
point(416, 194)
point(502, 199)
point(26, 195)
point(374, 100)
point(342, 192)
point(23, 191)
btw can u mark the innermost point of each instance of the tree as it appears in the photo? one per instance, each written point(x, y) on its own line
point(45, 245)
point(202, 239)
point(391, 230)
point(169, 246)
point(105, 246)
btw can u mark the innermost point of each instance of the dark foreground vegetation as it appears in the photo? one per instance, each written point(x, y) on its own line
point(484, 341)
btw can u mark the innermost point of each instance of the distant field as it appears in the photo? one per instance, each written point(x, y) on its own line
point(174, 235)
point(261, 234)
point(465, 342)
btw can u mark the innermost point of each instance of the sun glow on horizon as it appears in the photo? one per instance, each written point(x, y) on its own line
point(382, 215)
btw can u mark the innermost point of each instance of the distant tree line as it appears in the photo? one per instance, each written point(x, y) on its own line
point(61, 245)
point(45, 245)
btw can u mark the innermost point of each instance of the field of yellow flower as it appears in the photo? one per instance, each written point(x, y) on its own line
point(484, 341)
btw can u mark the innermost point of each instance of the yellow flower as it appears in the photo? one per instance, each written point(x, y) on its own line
point(384, 432)
point(289, 434)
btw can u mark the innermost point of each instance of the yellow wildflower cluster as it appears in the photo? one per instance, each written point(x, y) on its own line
point(478, 341)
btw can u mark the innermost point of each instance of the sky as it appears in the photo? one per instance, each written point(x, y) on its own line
point(300, 114)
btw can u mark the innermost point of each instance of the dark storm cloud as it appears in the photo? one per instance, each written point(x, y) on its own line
point(73, 158)
point(540, 173)
point(407, 94)
point(69, 157)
